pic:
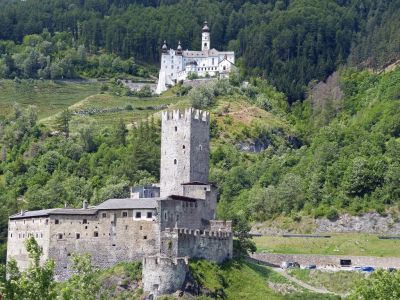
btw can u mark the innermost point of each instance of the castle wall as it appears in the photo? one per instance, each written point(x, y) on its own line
point(19, 231)
point(163, 275)
point(184, 214)
point(109, 236)
point(216, 246)
point(207, 192)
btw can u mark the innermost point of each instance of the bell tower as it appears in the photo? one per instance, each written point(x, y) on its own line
point(205, 39)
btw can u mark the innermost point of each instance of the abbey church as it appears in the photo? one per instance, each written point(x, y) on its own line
point(177, 65)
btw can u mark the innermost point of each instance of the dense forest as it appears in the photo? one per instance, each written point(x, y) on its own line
point(289, 42)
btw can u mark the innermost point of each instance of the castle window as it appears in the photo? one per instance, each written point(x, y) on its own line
point(10, 234)
point(60, 236)
point(145, 237)
point(96, 234)
point(183, 147)
point(124, 214)
point(176, 129)
point(138, 215)
point(149, 215)
point(104, 215)
point(84, 221)
point(201, 148)
point(174, 161)
point(47, 221)
point(78, 236)
point(56, 221)
point(126, 227)
point(141, 227)
point(165, 216)
point(205, 44)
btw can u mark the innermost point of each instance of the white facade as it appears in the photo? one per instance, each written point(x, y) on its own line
point(177, 65)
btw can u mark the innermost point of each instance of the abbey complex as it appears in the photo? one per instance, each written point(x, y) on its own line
point(178, 65)
point(162, 224)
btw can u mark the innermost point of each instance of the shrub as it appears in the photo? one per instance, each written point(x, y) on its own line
point(202, 97)
point(332, 214)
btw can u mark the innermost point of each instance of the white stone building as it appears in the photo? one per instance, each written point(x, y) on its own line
point(177, 65)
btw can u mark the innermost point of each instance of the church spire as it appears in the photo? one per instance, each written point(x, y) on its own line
point(179, 49)
point(205, 37)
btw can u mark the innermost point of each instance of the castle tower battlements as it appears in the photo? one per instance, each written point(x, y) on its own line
point(184, 149)
point(188, 114)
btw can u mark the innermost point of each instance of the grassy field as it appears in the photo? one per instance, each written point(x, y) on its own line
point(237, 280)
point(338, 282)
point(338, 244)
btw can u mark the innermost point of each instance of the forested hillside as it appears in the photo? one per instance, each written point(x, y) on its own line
point(315, 132)
point(290, 42)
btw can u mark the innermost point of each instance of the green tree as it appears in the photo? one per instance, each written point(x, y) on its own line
point(37, 283)
point(62, 122)
point(381, 285)
point(121, 132)
point(242, 243)
point(82, 285)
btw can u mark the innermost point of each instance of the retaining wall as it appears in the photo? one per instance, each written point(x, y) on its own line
point(324, 260)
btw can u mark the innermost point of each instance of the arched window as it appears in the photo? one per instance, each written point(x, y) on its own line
point(176, 128)
point(174, 161)
point(201, 148)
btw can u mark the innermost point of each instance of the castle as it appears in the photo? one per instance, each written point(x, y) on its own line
point(163, 224)
point(177, 65)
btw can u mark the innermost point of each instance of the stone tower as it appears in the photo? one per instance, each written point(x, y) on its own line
point(205, 38)
point(184, 149)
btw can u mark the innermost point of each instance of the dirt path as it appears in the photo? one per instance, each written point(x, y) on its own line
point(302, 283)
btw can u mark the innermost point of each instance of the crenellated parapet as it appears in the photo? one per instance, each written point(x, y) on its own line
point(187, 115)
point(185, 232)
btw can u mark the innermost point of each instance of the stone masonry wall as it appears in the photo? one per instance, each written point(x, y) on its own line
point(324, 260)
point(19, 231)
point(216, 246)
point(163, 275)
point(109, 236)
point(184, 149)
point(184, 214)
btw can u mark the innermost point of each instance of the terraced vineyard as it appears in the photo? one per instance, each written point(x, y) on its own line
point(83, 98)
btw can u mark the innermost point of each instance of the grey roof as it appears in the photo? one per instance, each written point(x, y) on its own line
point(54, 211)
point(129, 203)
